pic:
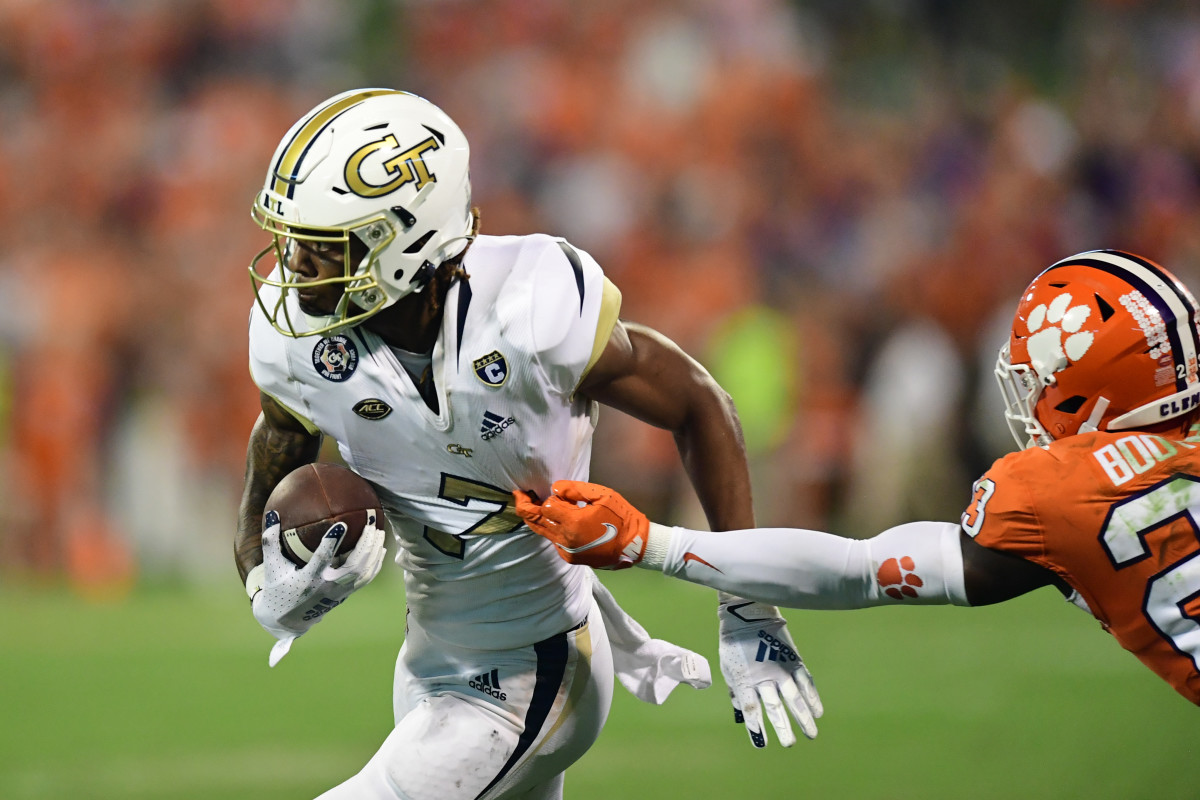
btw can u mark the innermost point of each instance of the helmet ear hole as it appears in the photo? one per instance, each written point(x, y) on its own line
point(1071, 404)
point(416, 246)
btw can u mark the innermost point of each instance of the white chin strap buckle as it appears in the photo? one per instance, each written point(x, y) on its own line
point(1093, 421)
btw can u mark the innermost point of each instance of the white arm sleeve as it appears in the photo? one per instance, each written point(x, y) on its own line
point(915, 563)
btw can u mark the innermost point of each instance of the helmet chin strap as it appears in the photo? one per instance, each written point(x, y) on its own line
point(1093, 421)
point(423, 276)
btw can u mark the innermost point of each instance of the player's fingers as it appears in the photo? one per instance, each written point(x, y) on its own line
point(373, 525)
point(737, 709)
point(327, 549)
point(793, 698)
point(580, 491)
point(776, 713)
point(364, 561)
point(808, 689)
point(541, 525)
point(527, 505)
point(376, 565)
point(270, 536)
point(752, 716)
point(554, 512)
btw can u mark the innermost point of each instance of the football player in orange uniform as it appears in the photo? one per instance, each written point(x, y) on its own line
point(1103, 502)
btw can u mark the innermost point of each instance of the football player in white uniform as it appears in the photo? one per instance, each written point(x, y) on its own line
point(452, 369)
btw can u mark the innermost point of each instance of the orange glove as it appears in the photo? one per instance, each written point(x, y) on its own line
point(589, 524)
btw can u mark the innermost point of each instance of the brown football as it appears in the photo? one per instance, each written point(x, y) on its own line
point(312, 498)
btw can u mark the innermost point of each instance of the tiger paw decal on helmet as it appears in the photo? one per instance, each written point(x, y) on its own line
point(1048, 349)
point(1102, 341)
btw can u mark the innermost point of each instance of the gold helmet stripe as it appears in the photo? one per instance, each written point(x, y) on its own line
point(285, 171)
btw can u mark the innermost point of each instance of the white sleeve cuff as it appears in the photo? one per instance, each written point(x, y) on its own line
point(658, 542)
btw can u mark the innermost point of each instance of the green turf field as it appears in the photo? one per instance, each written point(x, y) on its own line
point(168, 695)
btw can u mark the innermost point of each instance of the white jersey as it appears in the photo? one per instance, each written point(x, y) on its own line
point(516, 340)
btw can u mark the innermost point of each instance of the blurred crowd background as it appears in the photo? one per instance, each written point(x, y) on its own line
point(833, 205)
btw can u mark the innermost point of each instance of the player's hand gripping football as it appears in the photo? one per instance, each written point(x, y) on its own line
point(764, 672)
point(588, 524)
point(290, 599)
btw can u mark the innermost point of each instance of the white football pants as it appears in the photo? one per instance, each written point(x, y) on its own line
point(489, 724)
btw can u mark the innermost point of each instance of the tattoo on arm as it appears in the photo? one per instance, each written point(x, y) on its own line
point(278, 444)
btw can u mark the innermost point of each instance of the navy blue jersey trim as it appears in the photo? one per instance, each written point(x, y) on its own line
point(356, 333)
point(464, 302)
point(576, 267)
point(551, 667)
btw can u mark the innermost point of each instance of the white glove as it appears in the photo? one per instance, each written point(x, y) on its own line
point(288, 600)
point(763, 671)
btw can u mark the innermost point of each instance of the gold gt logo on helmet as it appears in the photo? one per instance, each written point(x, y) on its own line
point(407, 167)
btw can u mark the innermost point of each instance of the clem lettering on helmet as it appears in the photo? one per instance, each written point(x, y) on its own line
point(406, 167)
point(1179, 404)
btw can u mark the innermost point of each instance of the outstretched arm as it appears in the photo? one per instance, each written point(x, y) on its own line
point(918, 563)
point(915, 563)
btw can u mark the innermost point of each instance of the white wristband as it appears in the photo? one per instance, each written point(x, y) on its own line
point(254, 580)
point(658, 541)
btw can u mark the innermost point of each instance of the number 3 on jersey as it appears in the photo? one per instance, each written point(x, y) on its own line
point(972, 518)
point(463, 492)
point(1170, 592)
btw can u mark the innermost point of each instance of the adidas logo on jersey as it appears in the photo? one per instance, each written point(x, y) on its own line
point(494, 425)
point(489, 683)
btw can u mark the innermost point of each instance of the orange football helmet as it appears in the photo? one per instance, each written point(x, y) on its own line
point(1103, 340)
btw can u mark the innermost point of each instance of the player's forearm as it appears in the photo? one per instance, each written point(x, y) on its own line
point(714, 455)
point(712, 449)
point(270, 455)
point(917, 563)
point(646, 375)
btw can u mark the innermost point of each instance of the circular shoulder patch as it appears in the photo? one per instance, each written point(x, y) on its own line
point(335, 358)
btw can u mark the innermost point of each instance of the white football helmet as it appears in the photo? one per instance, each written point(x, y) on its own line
point(385, 167)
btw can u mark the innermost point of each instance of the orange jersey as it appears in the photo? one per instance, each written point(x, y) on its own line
point(1117, 515)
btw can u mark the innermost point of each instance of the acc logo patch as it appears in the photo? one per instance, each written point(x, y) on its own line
point(335, 358)
point(492, 369)
point(372, 408)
